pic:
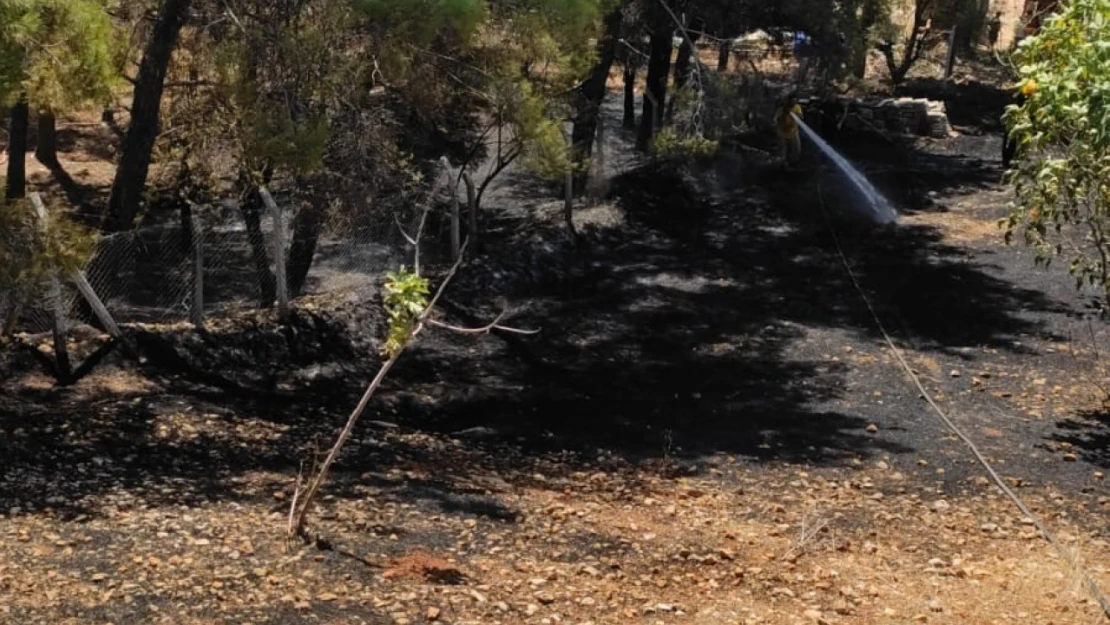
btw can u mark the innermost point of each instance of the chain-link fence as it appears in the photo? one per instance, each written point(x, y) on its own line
point(201, 262)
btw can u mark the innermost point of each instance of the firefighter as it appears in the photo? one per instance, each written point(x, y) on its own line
point(994, 27)
point(786, 127)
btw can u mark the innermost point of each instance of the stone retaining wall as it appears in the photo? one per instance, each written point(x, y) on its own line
point(908, 116)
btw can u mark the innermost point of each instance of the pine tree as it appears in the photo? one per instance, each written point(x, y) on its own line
point(56, 56)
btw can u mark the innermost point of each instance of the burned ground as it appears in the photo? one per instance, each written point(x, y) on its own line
point(708, 428)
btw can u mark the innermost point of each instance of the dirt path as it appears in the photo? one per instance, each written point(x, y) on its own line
point(708, 430)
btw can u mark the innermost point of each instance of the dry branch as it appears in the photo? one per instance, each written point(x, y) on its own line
point(304, 497)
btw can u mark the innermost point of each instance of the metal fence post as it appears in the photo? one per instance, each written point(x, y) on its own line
point(279, 252)
point(196, 311)
point(54, 294)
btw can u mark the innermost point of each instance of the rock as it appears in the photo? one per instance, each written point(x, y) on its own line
point(1099, 475)
point(479, 597)
point(935, 605)
point(327, 596)
point(432, 613)
point(531, 609)
point(872, 428)
point(954, 373)
point(988, 527)
point(545, 598)
point(941, 505)
point(664, 607)
point(1070, 457)
point(476, 433)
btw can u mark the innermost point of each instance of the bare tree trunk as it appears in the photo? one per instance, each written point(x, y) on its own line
point(912, 52)
point(724, 53)
point(655, 95)
point(46, 144)
point(134, 164)
point(590, 97)
point(869, 15)
point(306, 233)
point(630, 68)
point(16, 186)
point(683, 66)
point(252, 217)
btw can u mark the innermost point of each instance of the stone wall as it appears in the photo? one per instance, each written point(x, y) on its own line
point(906, 116)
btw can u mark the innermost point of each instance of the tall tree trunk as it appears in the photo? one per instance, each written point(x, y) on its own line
point(869, 15)
point(46, 144)
point(683, 67)
point(724, 53)
point(252, 217)
point(589, 99)
point(630, 69)
point(17, 150)
point(655, 95)
point(134, 163)
point(306, 232)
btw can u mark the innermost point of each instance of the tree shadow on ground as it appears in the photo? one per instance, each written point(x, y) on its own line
point(1089, 433)
point(690, 338)
point(685, 332)
point(81, 196)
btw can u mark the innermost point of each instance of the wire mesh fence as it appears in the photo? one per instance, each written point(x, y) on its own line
point(204, 261)
point(190, 263)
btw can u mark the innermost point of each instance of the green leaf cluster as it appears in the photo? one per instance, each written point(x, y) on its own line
point(31, 252)
point(58, 52)
point(406, 296)
point(671, 145)
point(1062, 132)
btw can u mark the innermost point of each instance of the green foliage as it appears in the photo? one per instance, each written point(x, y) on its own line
point(401, 28)
point(279, 79)
point(406, 296)
point(60, 52)
point(1062, 173)
point(30, 252)
point(669, 144)
point(552, 37)
point(272, 135)
point(538, 129)
point(420, 21)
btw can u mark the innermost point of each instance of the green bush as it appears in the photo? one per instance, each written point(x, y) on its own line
point(1062, 131)
point(29, 253)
